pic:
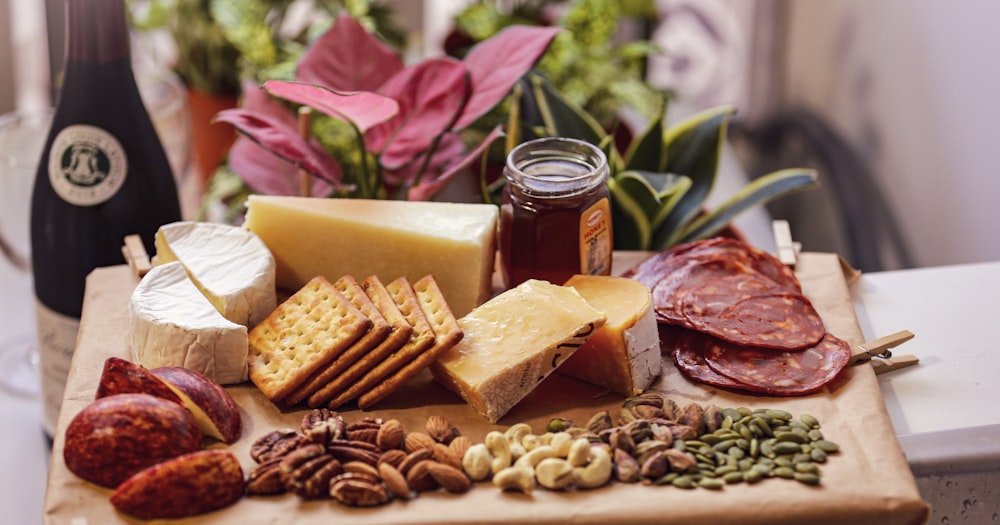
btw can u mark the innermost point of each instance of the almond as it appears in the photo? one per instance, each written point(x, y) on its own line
point(445, 455)
point(441, 430)
point(452, 479)
point(390, 435)
point(394, 481)
point(419, 477)
point(417, 440)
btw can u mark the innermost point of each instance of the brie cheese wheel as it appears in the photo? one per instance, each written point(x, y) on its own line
point(624, 354)
point(514, 341)
point(454, 242)
point(172, 324)
point(230, 265)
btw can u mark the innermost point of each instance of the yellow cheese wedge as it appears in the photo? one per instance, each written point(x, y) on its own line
point(513, 342)
point(624, 354)
point(334, 237)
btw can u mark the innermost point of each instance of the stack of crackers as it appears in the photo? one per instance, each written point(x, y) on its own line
point(332, 343)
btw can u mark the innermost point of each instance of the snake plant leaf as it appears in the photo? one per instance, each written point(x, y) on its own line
point(544, 106)
point(651, 195)
point(693, 149)
point(632, 230)
point(647, 152)
point(757, 193)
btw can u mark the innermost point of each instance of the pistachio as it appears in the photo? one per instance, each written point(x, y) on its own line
point(655, 466)
point(626, 468)
point(558, 424)
point(599, 422)
point(694, 417)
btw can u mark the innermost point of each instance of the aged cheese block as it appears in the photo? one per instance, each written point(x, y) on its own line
point(172, 324)
point(333, 237)
point(624, 354)
point(513, 342)
point(230, 265)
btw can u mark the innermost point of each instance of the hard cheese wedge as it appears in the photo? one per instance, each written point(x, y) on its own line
point(624, 354)
point(513, 342)
point(173, 324)
point(333, 237)
point(230, 265)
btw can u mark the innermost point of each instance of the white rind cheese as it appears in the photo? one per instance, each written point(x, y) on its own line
point(230, 265)
point(624, 355)
point(514, 341)
point(173, 324)
point(454, 242)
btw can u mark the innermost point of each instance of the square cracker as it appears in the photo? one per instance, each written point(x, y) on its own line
point(379, 330)
point(353, 363)
point(316, 324)
point(421, 339)
point(447, 333)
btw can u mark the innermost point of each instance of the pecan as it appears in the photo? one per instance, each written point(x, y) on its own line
point(321, 425)
point(354, 451)
point(267, 479)
point(365, 469)
point(364, 429)
point(441, 430)
point(390, 435)
point(275, 444)
point(358, 492)
point(419, 477)
point(311, 479)
point(300, 456)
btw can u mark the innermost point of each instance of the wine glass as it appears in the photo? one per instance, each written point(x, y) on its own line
point(22, 138)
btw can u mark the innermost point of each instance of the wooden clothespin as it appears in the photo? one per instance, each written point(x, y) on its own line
point(136, 256)
point(879, 349)
point(787, 249)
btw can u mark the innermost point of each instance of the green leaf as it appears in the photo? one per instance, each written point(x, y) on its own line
point(641, 200)
point(647, 152)
point(245, 26)
point(559, 116)
point(759, 192)
point(693, 150)
point(628, 218)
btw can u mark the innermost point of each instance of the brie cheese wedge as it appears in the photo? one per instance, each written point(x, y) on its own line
point(173, 324)
point(230, 265)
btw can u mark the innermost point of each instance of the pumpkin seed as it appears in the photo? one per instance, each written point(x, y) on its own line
point(784, 472)
point(792, 436)
point(809, 421)
point(684, 482)
point(809, 478)
point(826, 446)
point(753, 476)
point(733, 477)
point(779, 414)
point(818, 455)
point(786, 447)
point(710, 483)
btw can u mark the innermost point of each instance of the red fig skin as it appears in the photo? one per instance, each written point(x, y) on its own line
point(210, 396)
point(121, 376)
point(116, 436)
point(184, 486)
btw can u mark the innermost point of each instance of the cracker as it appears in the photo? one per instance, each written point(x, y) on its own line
point(421, 339)
point(353, 363)
point(447, 334)
point(379, 330)
point(312, 327)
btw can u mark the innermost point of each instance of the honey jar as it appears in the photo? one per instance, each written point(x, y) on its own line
point(555, 212)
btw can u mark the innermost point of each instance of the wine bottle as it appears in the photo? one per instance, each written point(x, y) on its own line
point(103, 175)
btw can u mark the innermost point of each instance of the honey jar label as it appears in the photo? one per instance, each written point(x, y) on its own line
point(595, 239)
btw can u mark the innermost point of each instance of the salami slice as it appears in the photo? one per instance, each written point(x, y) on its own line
point(779, 373)
point(691, 362)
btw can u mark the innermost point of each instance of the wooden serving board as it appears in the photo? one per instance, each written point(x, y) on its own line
point(867, 482)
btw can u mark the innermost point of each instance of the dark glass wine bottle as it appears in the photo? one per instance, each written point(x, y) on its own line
point(103, 175)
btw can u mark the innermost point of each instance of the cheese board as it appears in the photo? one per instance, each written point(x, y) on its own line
point(867, 482)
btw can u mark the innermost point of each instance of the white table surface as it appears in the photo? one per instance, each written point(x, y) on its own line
point(943, 409)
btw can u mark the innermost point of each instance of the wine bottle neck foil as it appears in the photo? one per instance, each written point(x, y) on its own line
point(96, 31)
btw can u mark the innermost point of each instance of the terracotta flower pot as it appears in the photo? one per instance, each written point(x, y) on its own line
point(209, 142)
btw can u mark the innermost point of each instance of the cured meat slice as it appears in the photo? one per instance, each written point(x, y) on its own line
point(780, 373)
point(690, 360)
point(728, 300)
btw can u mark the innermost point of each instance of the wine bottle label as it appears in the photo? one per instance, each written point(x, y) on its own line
point(56, 341)
point(87, 165)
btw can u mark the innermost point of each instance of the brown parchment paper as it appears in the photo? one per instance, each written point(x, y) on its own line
point(867, 482)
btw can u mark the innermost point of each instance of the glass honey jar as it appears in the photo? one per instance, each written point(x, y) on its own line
point(555, 212)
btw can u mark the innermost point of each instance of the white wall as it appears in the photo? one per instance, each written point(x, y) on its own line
point(915, 85)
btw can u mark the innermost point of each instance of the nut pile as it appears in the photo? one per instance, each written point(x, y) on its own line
point(362, 463)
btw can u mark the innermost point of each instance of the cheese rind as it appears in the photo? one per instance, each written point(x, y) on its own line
point(230, 265)
point(624, 354)
point(172, 324)
point(513, 342)
point(333, 237)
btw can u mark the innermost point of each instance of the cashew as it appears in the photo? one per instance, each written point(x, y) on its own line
point(579, 452)
point(530, 442)
point(545, 438)
point(515, 433)
point(477, 462)
point(597, 472)
point(554, 473)
point(561, 441)
point(521, 479)
point(535, 455)
point(499, 449)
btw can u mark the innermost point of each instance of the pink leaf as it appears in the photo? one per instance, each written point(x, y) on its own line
point(348, 58)
point(430, 95)
point(361, 108)
point(282, 141)
point(495, 65)
point(445, 152)
point(268, 173)
point(427, 189)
